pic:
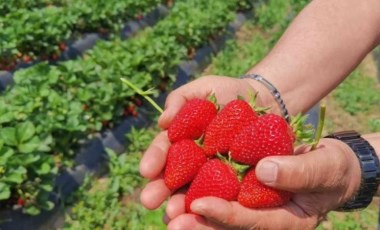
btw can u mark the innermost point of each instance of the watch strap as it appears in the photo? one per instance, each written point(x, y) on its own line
point(370, 170)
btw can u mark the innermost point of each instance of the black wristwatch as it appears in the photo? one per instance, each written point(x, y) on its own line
point(369, 164)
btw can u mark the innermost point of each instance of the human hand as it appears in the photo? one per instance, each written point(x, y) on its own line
point(322, 180)
point(153, 162)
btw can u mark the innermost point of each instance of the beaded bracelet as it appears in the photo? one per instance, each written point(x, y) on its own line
point(276, 94)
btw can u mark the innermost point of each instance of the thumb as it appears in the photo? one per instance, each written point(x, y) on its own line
point(332, 165)
point(173, 104)
point(221, 214)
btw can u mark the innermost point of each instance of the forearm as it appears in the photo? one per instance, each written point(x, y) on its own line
point(325, 42)
point(374, 140)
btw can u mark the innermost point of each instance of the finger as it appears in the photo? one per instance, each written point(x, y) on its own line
point(154, 194)
point(191, 221)
point(176, 205)
point(154, 159)
point(173, 104)
point(330, 166)
point(231, 215)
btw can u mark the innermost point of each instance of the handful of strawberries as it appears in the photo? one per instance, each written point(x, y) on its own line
point(215, 152)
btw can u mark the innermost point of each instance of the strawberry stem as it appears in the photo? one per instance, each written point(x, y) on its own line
point(143, 93)
point(252, 102)
point(321, 122)
point(240, 169)
point(213, 99)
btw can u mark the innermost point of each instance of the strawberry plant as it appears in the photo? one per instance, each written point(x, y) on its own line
point(194, 33)
point(29, 161)
point(357, 93)
point(9, 6)
point(41, 33)
point(36, 32)
point(109, 202)
point(105, 16)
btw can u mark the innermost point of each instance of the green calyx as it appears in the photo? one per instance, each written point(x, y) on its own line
point(303, 132)
point(212, 98)
point(252, 101)
point(146, 94)
point(241, 169)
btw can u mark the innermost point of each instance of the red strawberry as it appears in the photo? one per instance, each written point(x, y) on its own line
point(192, 120)
point(62, 46)
point(20, 201)
point(26, 58)
point(215, 178)
point(270, 135)
point(184, 160)
point(254, 194)
point(227, 124)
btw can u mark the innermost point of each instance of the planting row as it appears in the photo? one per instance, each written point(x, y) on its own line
point(112, 202)
point(52, 110)
point(26, 35)
point(9, 6)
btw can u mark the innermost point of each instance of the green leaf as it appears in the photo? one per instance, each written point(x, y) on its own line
point(32, 210)
point(25, 131)
point(46, 187)
point(5, 154)
point(1, 144)
point(30, 146)
point(15, 176)
point(8, 135)
point(6, 117)
point(5, 191)
point(48, 205)
point(43, 169)
point(45, 144)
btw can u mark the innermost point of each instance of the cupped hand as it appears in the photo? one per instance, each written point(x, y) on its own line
point(153, 162)
point(322, 180)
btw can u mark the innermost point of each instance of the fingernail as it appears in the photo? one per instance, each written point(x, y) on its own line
point(267, 171)
point(165, 219)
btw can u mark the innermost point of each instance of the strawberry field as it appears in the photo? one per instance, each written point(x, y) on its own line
point(72, 135)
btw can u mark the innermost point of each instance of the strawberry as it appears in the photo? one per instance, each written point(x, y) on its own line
point(192, 120)
point(26, 58)
point(215, 178)
point(184, 160)
point(270, 135)
point(62, 46)
point(254, 194)
point(227, 124)
point(20, 201)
